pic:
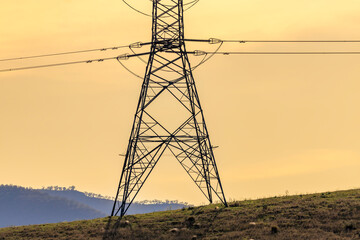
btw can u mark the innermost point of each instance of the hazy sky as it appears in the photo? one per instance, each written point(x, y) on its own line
point(282, 122)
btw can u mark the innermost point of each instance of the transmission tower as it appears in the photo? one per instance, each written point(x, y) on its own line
point(168, 72)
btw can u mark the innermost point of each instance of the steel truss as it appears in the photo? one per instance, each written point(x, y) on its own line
point(168, 71)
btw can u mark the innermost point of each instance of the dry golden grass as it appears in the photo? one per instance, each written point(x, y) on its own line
point(332, 215)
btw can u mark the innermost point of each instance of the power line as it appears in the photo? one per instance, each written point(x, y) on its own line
point(210, 40)
point(55, 64)
point(63, 53)
point(216, 40)
point(199, 53)
point(135, 9)
point(293, 41)
point(196, 53)
point(124, 56)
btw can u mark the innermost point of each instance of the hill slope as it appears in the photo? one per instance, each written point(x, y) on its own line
point(105, 205)
point(24, 206)
point(332, 215)
point(21, 206)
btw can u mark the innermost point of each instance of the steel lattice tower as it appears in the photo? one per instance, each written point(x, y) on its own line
point(168, 71)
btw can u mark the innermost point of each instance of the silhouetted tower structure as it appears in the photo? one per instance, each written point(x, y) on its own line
point(169, 73)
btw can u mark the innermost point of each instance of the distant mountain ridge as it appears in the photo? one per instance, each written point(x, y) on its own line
point(105, 205)
point(24, 206)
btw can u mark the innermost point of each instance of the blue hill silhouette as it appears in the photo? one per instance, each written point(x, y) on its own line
point(25, 206)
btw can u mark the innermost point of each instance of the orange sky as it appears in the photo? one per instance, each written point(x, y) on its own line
point(282, 122)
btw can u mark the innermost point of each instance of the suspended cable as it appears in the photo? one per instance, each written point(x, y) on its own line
point(136, 10)
point(56, 64)
point(127, 69)
point(192, 4)
point(293, 41)
point(200, 63)
point(141, 59)
point(124, 56)
point(196, 53)
point(216, 40)
point(184, 4)
point(207, 59)
point(199, 53)
point(64, 53)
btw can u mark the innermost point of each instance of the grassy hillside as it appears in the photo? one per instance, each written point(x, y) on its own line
point(331, 215)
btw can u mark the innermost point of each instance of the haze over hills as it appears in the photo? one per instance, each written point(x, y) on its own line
point(24, 206)
point(105, 204)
